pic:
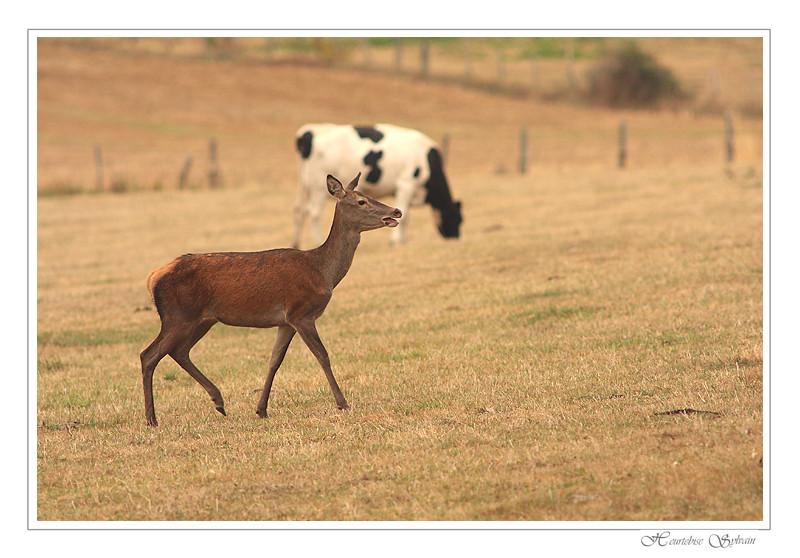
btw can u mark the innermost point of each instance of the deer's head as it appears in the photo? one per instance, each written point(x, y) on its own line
point(363, 212)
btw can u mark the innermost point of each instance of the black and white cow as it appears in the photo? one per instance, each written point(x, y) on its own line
point(391, 160)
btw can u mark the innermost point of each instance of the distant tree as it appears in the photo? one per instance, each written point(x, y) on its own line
point(629, 77)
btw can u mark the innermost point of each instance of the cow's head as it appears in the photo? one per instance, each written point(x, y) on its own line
point(448, 220)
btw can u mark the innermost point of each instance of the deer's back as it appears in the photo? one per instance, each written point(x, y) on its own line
point(252, 289)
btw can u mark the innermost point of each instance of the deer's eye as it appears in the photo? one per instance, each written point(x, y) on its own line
point(362, 202)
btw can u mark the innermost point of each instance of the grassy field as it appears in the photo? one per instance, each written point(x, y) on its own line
point(527, 371)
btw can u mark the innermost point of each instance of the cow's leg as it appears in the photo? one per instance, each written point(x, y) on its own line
point(301, 207)
point(300, 214)
point(316, 203)
point(403, 195)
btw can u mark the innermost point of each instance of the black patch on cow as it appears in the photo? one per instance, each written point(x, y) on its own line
point(416, 172)
point(369, 132)
point(439, 197)
point(438, 192)
point(304, 144)
point(371, 160)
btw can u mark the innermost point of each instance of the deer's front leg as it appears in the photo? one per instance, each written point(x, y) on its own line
point(308, 332)
point(282, 340)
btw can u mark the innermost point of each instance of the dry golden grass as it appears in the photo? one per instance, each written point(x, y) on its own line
point(515, 374)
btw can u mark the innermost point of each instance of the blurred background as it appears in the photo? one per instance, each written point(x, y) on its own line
point(157, 113)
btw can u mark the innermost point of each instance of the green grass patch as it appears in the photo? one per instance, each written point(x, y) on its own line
point(90, 338)
point(50, 365)
point(552, 312)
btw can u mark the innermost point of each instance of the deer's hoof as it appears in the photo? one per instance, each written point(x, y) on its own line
point(221, 409)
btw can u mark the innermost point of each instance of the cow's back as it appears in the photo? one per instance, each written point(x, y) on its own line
point(328, 142)
point(384, 153)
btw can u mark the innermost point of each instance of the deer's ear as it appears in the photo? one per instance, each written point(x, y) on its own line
point(335, 187)
point(354, 182)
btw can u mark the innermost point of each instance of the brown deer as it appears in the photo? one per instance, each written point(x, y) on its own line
point(284, 288)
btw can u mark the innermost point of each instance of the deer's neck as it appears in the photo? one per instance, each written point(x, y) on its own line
point(336, 254)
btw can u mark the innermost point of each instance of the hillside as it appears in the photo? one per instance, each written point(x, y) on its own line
point(147, 111)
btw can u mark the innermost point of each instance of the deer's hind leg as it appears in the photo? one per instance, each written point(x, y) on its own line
point(180, 354)
point(164, 342)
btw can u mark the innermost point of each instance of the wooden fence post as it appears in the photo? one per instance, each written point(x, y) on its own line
point(398, 55)
point(213, 167)
point(445, 146)
point(623, 144)
point(269, 46)
point(730, 145)
point(98, 160)
point(187, 167)
point(465, 46)
point(501, 66)
point(716, 87)
point(365, 49)
point(523, 151)
point(425, 55)
point(534, 73)
point(569, 57)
